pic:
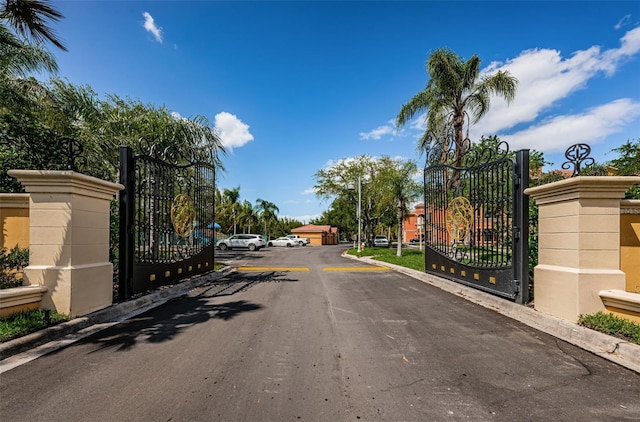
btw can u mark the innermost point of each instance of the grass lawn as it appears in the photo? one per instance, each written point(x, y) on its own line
point(21, 324)
point(411, 258)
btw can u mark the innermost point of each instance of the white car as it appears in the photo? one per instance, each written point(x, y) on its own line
point(302, 241)
point(381, 241)
point(253, 242)
point(281, 241)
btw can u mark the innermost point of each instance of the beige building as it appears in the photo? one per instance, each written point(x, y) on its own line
point(318, 235)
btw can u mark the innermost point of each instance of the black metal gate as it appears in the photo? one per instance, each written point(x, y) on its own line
point(476, 217)
point(166, 221)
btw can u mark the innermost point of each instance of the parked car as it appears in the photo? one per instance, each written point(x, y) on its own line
point(253, 242)
point(380, 240)
point(302, 241)
point(417, 239)
point(282, 241)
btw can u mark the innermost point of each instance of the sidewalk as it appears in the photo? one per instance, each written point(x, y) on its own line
point(611, 348)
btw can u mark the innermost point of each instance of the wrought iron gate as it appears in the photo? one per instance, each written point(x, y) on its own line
point(476, 217)
point(166, 221)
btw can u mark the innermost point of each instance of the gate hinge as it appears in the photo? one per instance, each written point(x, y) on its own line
point(516, 232)
point(516, 286)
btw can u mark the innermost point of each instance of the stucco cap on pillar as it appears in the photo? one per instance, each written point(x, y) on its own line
point(14, 200)
point(65, 181)
point(600, 187)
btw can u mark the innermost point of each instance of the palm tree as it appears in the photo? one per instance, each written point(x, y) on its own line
point(267, 211)
point(232, 205)
point(19, 56)
point(454, 92)
point(247, 215)
point(23, 30)
point(29, 20)
point(399, 187)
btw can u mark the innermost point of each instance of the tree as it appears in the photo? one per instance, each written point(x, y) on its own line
point(267, 211)
point(341, 214)
point(22, 51)
point(399, 188)
point(628, 161)
point(231, 206)
point(29, 19)
point(378, 203)
point(247, 215)
point(341, 181)
point(23, 29)
point(284, 226)
point(628, 164)
point(455, 92)
point(32, 125)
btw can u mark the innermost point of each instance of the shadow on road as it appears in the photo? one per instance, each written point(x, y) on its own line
point(176, 316)
point(239, 282)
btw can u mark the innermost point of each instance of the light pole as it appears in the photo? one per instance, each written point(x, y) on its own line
point(358, 212)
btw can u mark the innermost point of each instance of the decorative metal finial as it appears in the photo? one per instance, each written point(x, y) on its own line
point(577, 155)
point(73, 151)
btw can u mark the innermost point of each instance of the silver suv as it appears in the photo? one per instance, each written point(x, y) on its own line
point(253, 242)
point(380, 240)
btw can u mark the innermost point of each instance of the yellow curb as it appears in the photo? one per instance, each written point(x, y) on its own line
point(356, 269)
point(273, 269)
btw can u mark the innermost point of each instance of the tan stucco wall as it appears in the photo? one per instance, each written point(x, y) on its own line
point(579, 243)
point(630, 244)
point(623, 313)
point(314, 238)
point(69, 239)
point(14, 220)
point(320, 238)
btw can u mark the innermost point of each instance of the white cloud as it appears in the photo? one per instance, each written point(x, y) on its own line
point(545, 78)
point(592, 126)
point(150, 26)
point(331, 163)
point(378, 132)
point(626, 20)
point(419, 123)
point(310, 191)
point(232, 131)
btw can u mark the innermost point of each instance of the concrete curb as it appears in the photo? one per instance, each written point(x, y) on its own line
point(113, 313)
point(611, 348)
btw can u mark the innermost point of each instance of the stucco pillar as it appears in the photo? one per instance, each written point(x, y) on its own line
point(578, 243)
point(69, 239)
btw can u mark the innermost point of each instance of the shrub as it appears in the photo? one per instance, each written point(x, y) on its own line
point(612, 325)
point(11, 263)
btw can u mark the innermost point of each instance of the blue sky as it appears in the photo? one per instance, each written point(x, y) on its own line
point(297, 85)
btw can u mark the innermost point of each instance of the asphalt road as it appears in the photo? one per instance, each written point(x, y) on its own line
point(303, 334)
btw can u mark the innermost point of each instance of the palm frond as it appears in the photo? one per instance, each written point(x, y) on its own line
point(29, 18)
point(24, 59)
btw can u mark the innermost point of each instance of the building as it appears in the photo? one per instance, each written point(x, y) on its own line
point(413, 226)
point(318, 235)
